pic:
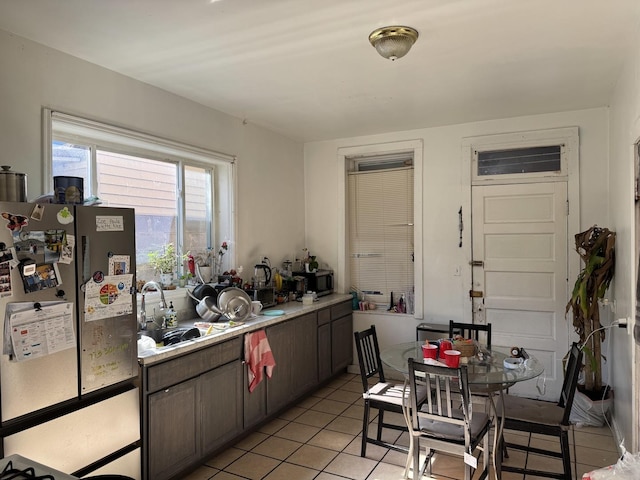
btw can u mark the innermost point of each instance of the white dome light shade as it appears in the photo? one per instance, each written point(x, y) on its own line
point(393, 42)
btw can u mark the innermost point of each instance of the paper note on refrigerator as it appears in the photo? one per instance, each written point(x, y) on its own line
point(39, 332)
point(109, 298)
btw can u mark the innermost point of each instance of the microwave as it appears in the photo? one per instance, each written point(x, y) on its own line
point(265, 295)
point(320, 281)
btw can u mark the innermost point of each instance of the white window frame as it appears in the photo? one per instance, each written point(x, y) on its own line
point(115, 138)
point(344, 156)
point(567, 137)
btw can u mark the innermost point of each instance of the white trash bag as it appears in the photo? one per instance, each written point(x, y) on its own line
point(627, 468)
point(589, 413)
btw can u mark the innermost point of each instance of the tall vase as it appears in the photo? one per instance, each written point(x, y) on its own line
point(217, 268)
point(206, 274)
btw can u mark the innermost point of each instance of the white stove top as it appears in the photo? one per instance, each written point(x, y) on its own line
point(38, 471)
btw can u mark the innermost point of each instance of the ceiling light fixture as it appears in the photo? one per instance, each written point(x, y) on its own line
point(393, 42)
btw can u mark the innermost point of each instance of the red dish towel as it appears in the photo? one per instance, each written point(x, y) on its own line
point(258, 356)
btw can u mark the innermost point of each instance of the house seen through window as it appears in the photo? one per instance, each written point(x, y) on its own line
point(173, 195)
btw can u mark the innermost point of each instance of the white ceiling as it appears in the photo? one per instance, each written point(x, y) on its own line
point(305, 68)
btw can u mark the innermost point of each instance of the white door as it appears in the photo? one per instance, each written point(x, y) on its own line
point(520, 274)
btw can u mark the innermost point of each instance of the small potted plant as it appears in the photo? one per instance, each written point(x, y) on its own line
point(165, 262)
point(309, 261)
point(313, 264)
point(183, 279)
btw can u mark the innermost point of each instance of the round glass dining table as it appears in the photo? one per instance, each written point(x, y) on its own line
point(488, 373)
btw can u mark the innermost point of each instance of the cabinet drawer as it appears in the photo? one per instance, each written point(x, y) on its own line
point(324, 316)
point(341, 310)
point(188, 366)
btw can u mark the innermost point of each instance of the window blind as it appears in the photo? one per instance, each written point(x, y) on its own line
point(381, 232)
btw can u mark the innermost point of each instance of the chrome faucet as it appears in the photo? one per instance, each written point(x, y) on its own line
point(142, 315)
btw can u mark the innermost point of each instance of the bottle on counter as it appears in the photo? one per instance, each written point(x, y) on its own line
point(171, 317)
point(410, 304)
point(277, 281)
point(400, 308)
point(355, 304)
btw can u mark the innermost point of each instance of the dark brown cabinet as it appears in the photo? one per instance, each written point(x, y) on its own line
point(220, 405)
point(335, 339)
point(191, 405)
point(294, 346)
point(324, 344)
point(195, 403)
point(341, 336)
point(173, 430)
point(255, 403)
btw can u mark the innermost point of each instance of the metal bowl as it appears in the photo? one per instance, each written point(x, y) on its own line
point(235, 304)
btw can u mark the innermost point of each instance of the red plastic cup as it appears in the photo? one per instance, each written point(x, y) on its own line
point(444, 346)
point(429, 351)
point(452, 358)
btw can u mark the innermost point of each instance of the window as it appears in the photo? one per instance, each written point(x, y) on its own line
point(173, 188)
point(381, 227)
point(520, 160)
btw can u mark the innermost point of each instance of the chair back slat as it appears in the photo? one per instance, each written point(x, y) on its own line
point(441, 397)
point(447, 389)
point(430, 398)
point(479, 333)
point(570, 382)
point(368, 355)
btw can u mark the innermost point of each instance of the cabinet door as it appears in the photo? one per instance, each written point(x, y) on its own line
point(255, 403)
point(324, 352)
point(341, 343)
point(279, 387)
point(305, 354)
point(174, 433)
point(220, 405)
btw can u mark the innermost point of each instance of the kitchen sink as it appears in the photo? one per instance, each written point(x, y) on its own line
point(171, 336)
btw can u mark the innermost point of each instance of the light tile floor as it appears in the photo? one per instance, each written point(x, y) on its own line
point(319, 439)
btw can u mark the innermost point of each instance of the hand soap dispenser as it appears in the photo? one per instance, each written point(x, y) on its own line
point(171, 317)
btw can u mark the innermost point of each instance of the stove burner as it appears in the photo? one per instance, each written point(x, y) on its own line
point(10, 473)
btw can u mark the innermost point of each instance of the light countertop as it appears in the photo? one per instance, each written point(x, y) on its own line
point(291, 310)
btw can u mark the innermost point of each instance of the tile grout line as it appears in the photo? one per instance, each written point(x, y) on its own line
point(328, 391)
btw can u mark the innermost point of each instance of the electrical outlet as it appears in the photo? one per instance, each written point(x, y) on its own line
point(625, 323)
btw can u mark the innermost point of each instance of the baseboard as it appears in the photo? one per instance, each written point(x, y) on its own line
point(353, 369)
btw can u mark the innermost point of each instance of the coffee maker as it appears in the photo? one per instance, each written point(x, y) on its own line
point(297, 284)
point(261, 275)
point(262, 290)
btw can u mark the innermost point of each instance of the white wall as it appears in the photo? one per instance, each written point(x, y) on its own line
point(446, 295)
point(270, 167)
point(624, 132)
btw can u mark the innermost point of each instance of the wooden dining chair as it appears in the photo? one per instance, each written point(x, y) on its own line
point(382, 395)
point(439, 423)
point(482, 335)
point(545, 418)
point(479, 332)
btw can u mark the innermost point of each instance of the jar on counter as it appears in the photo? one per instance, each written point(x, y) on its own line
point(307, 298)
